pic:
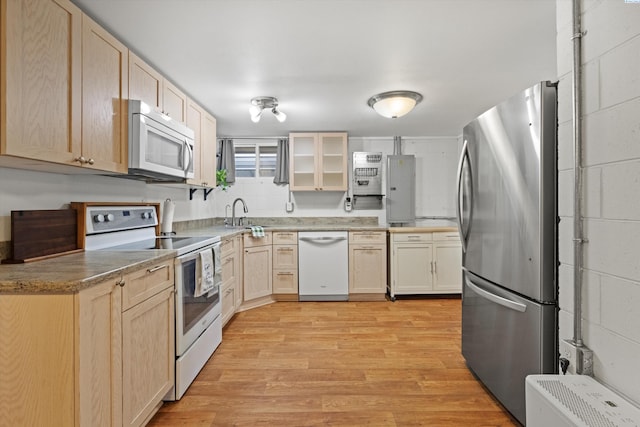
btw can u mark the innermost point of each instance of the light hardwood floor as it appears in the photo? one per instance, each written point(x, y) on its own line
point(339, 364)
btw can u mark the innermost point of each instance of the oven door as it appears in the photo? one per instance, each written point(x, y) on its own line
point(194, 314)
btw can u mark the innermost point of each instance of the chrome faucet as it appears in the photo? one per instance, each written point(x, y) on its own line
point(233, 210)
point(226, 215)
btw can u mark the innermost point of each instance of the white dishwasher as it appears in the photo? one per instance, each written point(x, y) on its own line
point(323, 266)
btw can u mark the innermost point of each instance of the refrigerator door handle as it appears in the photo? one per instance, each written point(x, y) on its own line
point(463, 226)
point(505, 302)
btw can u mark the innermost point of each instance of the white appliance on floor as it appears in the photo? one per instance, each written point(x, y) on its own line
point(575, 400)
point(323, 263)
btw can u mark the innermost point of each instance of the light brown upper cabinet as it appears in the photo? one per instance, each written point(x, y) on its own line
point(318, 161)
point(149, 86)
point(41, 73)
point(63, 87)
point(204, 128)
point(104, 93)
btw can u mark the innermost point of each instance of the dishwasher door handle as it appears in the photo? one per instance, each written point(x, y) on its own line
point(322, 240)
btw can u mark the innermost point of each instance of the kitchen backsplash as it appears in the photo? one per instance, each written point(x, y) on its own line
point(181, 226)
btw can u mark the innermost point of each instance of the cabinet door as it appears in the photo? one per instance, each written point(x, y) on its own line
point(332, 161)
point(447, 267)
point(367, 269)
point(208, 151)
point(174, 102)
point(303, 161)
point(257, 272)
point(100, 337)
point(228, 301)
point(195, 117)
point(104, 91)
point(41, 80)
point(37, 360)
point(239, 262)
point(412, 268)
point(148, 356)
point(145, 83)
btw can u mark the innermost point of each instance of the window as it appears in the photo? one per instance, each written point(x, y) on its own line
point(255, 159)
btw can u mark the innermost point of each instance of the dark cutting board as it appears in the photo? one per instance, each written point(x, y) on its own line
point(42, 233)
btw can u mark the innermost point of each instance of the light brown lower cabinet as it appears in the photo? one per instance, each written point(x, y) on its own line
point(367, 265)
point(231, 289)
point(425, 263)
point(80, 360)
point(285, 265)
point(257, 267)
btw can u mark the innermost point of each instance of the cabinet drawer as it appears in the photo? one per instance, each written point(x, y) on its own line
point(285, 256)
point(412, 237)
point(285, 238)
point(229, 267)
point(446, 236)
point(285, 282)
point(143, 284)
point(373, 237)
point(228, 246)
point(250, 241)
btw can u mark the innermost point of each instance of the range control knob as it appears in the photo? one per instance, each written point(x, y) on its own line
point(146, 215)
point(98, 218)
point(109, 217)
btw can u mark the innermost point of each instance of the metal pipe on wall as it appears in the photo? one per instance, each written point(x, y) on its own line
point(397, 145)
point(578, 231)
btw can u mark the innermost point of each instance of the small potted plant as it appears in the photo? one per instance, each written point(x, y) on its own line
point(221, 179)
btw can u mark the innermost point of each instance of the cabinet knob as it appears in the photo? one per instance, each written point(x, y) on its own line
point(120, 283)
point(91, 161)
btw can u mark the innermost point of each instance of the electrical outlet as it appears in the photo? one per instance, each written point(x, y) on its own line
point(569, 351)
point(289, 207)
point(573, 354)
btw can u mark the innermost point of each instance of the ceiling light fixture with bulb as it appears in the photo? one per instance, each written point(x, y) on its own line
point(394, 104)
point(261, 103)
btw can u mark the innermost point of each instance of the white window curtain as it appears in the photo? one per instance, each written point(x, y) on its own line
point(226, 159)
point(282, 162)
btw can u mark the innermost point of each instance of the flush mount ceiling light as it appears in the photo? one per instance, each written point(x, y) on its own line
point(261, 103)
point(394, 104)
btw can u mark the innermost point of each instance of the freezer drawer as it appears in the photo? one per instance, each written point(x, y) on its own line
point(505, 338)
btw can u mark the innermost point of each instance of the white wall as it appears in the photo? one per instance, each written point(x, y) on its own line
point(436, 165)
point(26, 190)
point(611, 294)
point(436, 160)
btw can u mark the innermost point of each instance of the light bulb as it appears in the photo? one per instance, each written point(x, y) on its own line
point(279, 115)
point(256, 113)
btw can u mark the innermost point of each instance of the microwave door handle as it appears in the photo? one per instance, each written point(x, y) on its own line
point(190, 152)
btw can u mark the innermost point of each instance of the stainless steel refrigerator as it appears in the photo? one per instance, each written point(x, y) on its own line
point(507, 214)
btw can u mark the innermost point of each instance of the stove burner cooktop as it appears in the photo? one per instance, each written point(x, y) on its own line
point(181, 244)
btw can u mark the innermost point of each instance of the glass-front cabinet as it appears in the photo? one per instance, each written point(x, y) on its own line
point(318, 161)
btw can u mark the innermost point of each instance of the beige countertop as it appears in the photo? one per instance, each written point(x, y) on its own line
point(421, 229)
point(74, 272)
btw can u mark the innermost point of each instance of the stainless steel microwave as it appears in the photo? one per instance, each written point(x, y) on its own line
point(160, 148)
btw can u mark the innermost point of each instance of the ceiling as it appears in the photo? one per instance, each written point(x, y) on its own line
point(324, 58)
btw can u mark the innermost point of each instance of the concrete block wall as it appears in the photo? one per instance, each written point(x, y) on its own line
point(611, 209)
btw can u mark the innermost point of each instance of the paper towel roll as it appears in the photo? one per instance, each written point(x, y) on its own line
point(166, 227)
